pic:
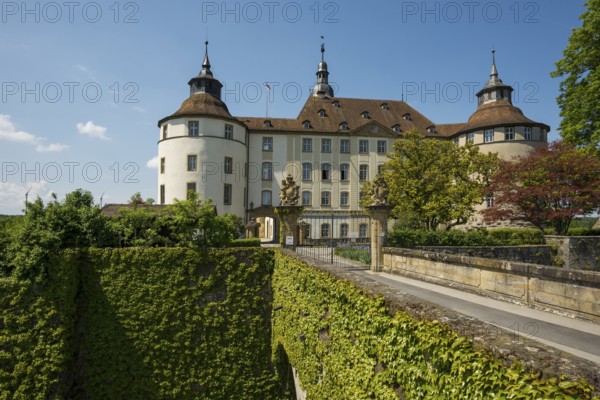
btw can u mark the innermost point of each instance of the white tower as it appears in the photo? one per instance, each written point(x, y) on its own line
point(203, 148)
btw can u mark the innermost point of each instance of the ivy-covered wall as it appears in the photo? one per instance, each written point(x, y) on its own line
point(36, 334)
point(344, 344)
point(141, 324)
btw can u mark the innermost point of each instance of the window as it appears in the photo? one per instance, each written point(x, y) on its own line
point(344, 230)
point(509, 134)
point(362, 231)
point(363, 146)
point(365, 115)
point(344, 126)
point(265, 198)
point(227, 195)
point(382, 146)
point(345, 146)
point(325, 198)
point(527, 134)
point(162, 194)
point(456, 141)
point(191, 188)
point(267, 144)
point(192, 164)
point(324, 230)
point(325, 171)
point(380, 168)
point(228, 165)
point(306, 124)
point(344, 172)
point(267, 171)
point(407, 117)
point(306, 171)
point(489, 201)
point(470, 138)
point(193, 128)
point(489, 135)
point(396, 128)
point(361, 195)
point(306, 198)
point(431, 129)
point(385, 106)
point(363, 173)
point(336, 104)
point(543, 137)
point(165, 131)
point(228, 132)
point(162, 165)
point(268, 123)
point(325, 145)
point(306, 229)
point(344, 198)
point(306, 145)
point(322, 113)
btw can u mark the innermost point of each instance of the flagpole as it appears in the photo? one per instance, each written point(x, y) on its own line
point(267, 97)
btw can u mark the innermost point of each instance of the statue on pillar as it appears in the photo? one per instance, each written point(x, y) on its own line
point(379, 192)
point(290, 192)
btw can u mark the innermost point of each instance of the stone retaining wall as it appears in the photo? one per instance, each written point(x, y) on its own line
point(574, 292)
point(577, 252)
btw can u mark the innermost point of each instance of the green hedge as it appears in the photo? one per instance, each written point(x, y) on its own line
point(350, 253)
point(245, 243)
point(477, 237)
point(36, 334)
point(345, 345)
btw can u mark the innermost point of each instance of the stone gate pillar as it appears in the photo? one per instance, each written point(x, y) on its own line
point(379, 223)
point(288, 218)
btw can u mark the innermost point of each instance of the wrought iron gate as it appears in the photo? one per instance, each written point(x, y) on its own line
point(335, 238)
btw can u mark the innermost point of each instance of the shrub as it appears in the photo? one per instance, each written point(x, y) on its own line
point(478, 237)
point(255, 242)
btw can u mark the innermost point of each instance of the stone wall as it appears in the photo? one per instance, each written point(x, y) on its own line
point(570, 291)
point(527, 254)
point(577, 252)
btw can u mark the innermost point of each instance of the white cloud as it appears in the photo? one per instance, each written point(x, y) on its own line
point(13, 195)
point(92, 130)
point(51, 148)
point(141, 110)
point(153, 163)
point(9, 132)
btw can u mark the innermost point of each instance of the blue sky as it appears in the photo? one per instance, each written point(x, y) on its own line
point(83, 84)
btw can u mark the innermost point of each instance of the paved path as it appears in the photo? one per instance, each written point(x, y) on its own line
point(574, 336)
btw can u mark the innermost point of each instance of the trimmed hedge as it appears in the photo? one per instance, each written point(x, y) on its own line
point(478, 237)
point(345, 345)
point(255, 242)
point(36, 334)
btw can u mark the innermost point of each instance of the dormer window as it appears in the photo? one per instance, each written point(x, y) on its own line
point(344, 126)
point(306, 124)
point(385, 106)
point(322, 113)
point(336, 104)
point(431, 129)
point(396, 128)
point(365, 115)
point(407, 117)
point(268, 123)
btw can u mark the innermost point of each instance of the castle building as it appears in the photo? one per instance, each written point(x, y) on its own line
point(331, 148)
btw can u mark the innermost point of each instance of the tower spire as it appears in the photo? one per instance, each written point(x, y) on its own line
point(206, 63)
point(494, 73)
point(322, 87)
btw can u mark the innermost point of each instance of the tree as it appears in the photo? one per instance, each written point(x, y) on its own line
point(435, 182)
point(47, 229)
point(546, 188)
point(579, 98)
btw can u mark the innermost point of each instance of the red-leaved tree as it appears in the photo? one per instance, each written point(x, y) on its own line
point(546, 188)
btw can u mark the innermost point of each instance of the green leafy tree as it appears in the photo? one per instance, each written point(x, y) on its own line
point(47, 229)
point(579, 98)
point(546, 188)
point(435, 182)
